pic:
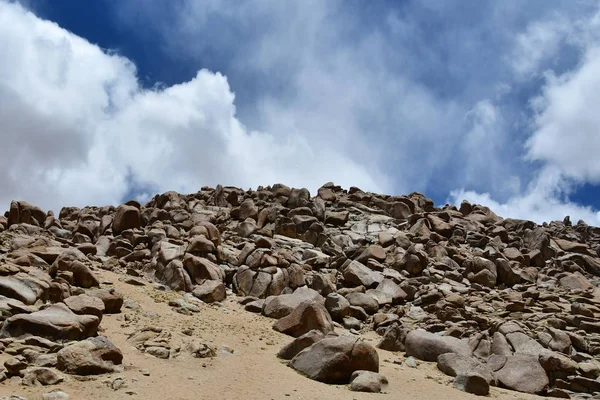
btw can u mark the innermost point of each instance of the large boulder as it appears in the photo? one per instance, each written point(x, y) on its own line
point(74, 261)
point(458, 364)
point(283, 305)
point(85, 305)
point(112, 299)
point(335, 359)
point(200, 269)
point(126, 217)
point(290, 350)
point(210, 291)
point(89, 357)
point(261, 283)
point(57, 322)
point(428, 346)
point(24, 287)
point(356, 274)
point(307, 316)
point(523, 373)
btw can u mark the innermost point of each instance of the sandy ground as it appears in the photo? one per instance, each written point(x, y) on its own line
point(252, 372)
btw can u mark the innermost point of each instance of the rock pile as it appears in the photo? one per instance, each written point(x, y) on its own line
point(492, 301)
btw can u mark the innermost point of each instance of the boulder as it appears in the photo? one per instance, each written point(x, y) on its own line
point(367, 381)
point(428, 346)
point(523, 373)
point(307, 316)
point(74, 261)
point(210, 291)
point(335, 359)
point(84, 304)
point(357, 274)
point(112, 299)
point(200, 269)
point(56, 322)
point(366, 302)
point(126, 217)
point(458, 364)
point(24, 287)
point(473, 383)
point(283, 305)
point(337, 306)
point(290, 350)
point(92, 356)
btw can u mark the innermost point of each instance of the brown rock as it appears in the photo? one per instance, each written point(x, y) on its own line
point(307, 316)
point(334, 360)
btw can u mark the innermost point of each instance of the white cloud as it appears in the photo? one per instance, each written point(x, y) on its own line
point(543, 201)
point(538, 43)
point(567, 122)
point(77, 128)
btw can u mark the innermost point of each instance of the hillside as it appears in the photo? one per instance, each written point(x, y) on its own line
point(275, 293)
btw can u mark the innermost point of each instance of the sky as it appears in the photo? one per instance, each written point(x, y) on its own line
point(491, 101)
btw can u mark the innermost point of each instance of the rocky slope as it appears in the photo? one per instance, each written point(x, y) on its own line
point(354, 279)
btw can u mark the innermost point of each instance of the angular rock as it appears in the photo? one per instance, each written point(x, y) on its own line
point(307, 316)
point(210, 291)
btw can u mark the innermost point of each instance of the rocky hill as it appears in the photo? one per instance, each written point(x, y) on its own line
point(343, 288)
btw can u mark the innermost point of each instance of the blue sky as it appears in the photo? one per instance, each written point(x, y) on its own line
point(485, 100)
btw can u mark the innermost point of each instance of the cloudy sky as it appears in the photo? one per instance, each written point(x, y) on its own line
point(494, 101)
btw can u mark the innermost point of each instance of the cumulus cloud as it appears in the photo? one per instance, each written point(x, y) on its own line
point(544, 200)
point(567, 122)
point(419, 97)
point(78, 128)
point(565, 133)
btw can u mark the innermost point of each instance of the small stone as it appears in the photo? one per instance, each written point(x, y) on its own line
point(55, 395)
point(411, 362)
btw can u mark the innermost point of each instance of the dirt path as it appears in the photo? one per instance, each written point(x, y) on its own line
point(252, 372)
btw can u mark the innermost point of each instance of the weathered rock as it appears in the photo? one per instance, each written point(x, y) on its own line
point(283, 305)
point(290, 350)
point(471, 382)
point(90, 357)
point(334, 360)
point(210, 291)
point(458, 364)
point(523, 373)
point(367, 381)
point(126, 217)
point(357, 274)
point(366, 302)
point(428, 346)
point(24, 287)
point(337, 306)
point(57, 322)
point(73, 260)
point(84, 304)
point(112, 299)
point(307, 316)
point(41, 376)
